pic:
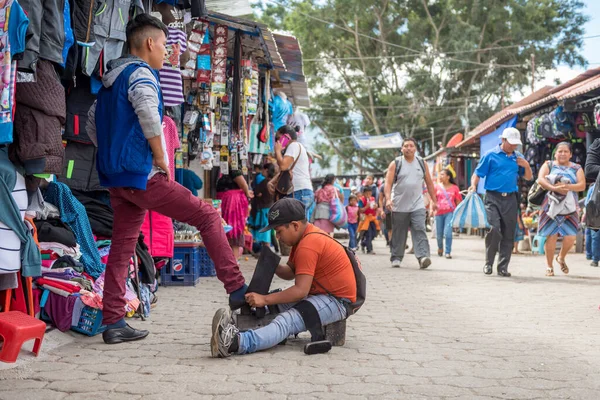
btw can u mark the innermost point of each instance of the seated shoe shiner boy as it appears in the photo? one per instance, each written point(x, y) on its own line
point(125, 124)
point(324, 279)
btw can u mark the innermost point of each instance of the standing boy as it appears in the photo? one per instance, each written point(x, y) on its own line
point(352, 212)
point(126, 125)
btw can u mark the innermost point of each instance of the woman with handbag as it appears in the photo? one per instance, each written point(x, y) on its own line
point(448, 197)
point(323, 198)
point(293, 179)
point(562, 179)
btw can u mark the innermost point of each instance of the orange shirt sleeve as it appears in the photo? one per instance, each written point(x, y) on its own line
point(305, 259)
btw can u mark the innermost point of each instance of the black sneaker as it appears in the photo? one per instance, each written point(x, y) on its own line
point(120, 335)
point(487, 269)
point(594, 263)
point(223, 333)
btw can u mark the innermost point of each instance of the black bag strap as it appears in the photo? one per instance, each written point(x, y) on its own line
point(344, 247)
point(399, 161)
point(297, 158)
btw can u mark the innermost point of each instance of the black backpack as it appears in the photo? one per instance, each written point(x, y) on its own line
point(361, 280)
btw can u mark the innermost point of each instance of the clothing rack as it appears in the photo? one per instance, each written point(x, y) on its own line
point(588, 102)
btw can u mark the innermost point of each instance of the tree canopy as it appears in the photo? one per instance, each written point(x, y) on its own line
point(383, 66)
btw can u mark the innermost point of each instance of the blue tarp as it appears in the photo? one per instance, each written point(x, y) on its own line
point(489, 141)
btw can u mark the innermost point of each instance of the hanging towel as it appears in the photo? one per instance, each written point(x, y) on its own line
point(73, 214)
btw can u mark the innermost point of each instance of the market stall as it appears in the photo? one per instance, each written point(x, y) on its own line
point(216, 82)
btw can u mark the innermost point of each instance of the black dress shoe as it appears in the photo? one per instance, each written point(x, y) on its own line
point(126, 334)
point(504, 273)
point(487, 269)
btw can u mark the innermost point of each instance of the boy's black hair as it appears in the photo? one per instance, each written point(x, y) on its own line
point(367, 189)
point(138, 29)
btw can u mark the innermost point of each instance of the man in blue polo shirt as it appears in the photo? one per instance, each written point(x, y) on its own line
point(501, 168)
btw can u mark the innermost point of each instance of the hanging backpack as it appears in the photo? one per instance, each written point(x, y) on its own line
point(545, 127)
point(579, 153)
point(532, 131)
point(563, 122)
point(361, 280)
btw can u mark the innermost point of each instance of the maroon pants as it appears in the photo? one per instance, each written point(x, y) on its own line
point(175, 201)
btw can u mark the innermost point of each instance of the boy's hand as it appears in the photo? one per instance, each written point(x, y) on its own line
point(256, 300)
point(160, 163)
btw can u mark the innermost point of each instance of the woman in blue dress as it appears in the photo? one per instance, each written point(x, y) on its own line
point(560, 210)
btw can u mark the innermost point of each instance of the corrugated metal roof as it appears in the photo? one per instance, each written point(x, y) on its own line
point(234, 8)
point(490, 124)
point(581, 84)
point(266, 42)
point(292, 77)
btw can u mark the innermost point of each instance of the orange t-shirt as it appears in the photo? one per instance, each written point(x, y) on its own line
point(326, 261)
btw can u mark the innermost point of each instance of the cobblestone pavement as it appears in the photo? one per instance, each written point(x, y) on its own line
point(447, 332)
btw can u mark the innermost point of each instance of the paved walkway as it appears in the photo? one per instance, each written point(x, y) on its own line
point(446, 332)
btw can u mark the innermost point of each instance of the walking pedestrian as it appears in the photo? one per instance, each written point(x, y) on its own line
point(448, 197)
point(385, 216)
point(592, 237)
point(369, 226)
point(125, 124)
point(404, 197)
point(501, 167)
point(560, 210)
point(352, 212)
point(592, 246)
point(370, 182)
point(323, 198)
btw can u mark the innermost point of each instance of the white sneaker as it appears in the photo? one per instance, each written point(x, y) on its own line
point(396, 264)
point(223, 333)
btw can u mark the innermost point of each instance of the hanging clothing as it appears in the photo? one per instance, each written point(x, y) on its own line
point(73, 214)
point(110, 23)
point(15, 238)
point(39, 117)
point(13, 43)
point(170, 74)
point(46, 33)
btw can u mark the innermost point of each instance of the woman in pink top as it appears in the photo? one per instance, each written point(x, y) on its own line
point(448, 197)
point(323, 199)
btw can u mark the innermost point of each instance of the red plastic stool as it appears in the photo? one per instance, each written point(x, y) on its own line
point(16, 328)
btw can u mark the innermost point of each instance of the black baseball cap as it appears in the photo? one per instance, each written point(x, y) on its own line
point(285, 211)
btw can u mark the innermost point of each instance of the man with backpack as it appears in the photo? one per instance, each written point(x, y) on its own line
point(404, 197)
point(329, 286)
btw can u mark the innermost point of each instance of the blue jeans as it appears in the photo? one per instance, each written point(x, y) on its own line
point(307, 197)
point(288, 323)
point(352, 228)
point(368, 236)
point(592, 245)
point(443, 228)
